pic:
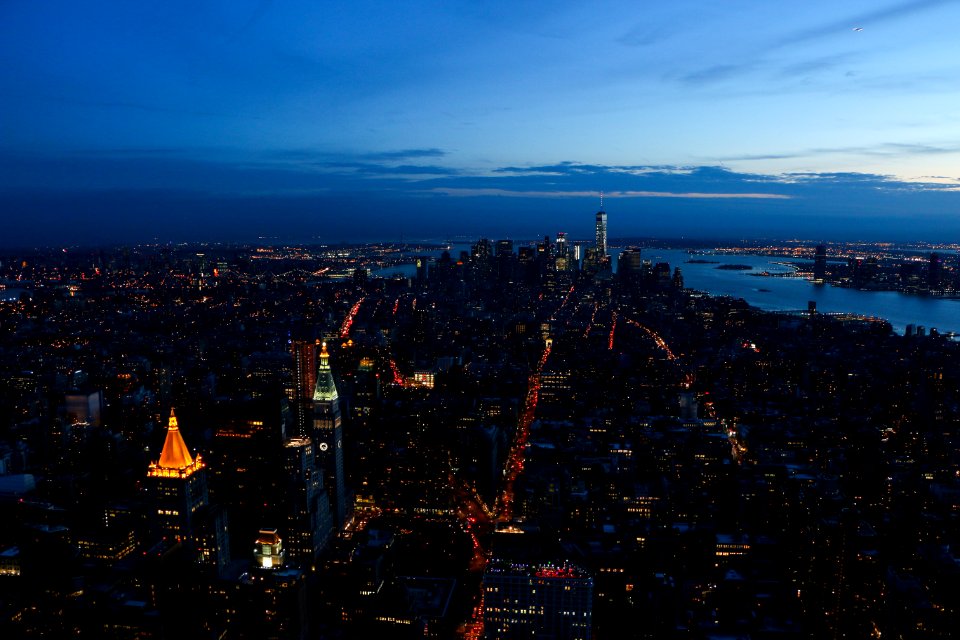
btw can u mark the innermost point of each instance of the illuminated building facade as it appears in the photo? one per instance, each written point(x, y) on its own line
point(10, 562)
point(934, 272)
point(328, 437)
point(601, 233)
point(820, 263)
point(179, 485)
point(537, 600)
point(271, 602)
point(181, 503)
point(304, 381)
point(562, 249)
point(268, 551)
point(309, 520)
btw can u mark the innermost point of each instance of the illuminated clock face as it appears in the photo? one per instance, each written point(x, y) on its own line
point(324, 446)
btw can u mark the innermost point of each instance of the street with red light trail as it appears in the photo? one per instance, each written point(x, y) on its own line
point(593, 317)
point(504, 508)
point(613, 328)
point(348, 321)
point(655, 337)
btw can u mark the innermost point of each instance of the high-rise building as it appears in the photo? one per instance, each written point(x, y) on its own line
point(270, 601)
point(181, 502)
point(268, 552)
point(677, 278)
point(179, 483)
point(309, 519)
point(934, 272)
point(506, 261)
point(562, 248)
point(562, 251)
point(85, 407)
point(533, 600)
point(820, 263)
point(628, 265)
point(328, 437)
point(529, 593)
point(602, 232)
point(422, 264)
point(304, 381)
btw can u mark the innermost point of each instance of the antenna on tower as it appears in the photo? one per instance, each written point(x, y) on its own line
point(601, 200)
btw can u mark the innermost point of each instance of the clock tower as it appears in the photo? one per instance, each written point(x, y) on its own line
point(328, 436)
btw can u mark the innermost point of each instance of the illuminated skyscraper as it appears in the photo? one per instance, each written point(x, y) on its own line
point(182, 511)
point(533, 600)
point(562, 248)
point(304, 381)
point(934, 272)
point(268, 552)
point(328, 437)
point(271, 600)
point(528, 595)
point(562, 252)
point(309, 521)
point(602, 231)
point(820, 263)
point(180, 484)
point(629, 265)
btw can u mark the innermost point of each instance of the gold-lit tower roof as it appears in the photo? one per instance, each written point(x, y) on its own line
point(326, 388)
point(175, 459)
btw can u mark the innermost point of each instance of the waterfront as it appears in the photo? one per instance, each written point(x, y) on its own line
point(784, 293)
point(788, 293)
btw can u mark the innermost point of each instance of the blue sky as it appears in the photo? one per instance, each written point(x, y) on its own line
point(126, 121)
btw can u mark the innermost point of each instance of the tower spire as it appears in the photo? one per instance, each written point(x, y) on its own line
point(601, 200)
point(326, 388)
point(175, 457)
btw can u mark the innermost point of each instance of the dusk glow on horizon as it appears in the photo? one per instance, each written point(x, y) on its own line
point(126, 122)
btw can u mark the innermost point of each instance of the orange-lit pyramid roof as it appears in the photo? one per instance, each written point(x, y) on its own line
point(175, 455)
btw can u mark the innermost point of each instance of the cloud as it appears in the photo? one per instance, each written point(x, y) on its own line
point(758, 58)
point(920, 149)
point(405, 154)
point(718, 72)
point(763, 156)
point(871, 18)
point(91, 200)
point(643, 35)
point(886, 149)
point(375, 169)
point(464, 192)
point(813, 65)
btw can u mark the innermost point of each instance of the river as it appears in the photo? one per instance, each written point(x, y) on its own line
point(786, 293)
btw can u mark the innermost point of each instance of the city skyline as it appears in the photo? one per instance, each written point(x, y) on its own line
point(159, 122)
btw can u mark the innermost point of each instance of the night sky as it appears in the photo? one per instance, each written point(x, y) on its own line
point(329, 120)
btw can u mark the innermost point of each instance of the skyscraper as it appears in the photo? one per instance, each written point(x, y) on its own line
point(180, 485)
point(602, 232)
point(309, 521)
point(268, 552)
point(820, 263)
point(528, 594)
point(304, 381)
point(934, 270)
point(328, 436)
point(181, 503)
